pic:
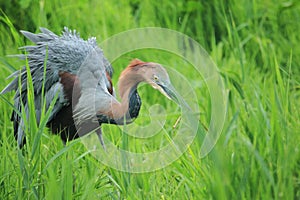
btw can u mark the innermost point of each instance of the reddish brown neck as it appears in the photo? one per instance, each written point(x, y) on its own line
point(128, 108)
point(128, 82)
point(130, 77)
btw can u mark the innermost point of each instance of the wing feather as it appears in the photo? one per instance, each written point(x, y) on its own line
point(66, 53)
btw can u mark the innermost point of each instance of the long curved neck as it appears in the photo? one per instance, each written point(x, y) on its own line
point(130, 99)
point(128, 109)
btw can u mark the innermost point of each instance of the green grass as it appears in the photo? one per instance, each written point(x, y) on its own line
point(255, 44)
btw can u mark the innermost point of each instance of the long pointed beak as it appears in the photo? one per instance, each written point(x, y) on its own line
point(170, 92)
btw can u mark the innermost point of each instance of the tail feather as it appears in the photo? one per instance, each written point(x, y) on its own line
point(10, 87)
point(45, 36)
point(19, 134)
point(31, 36)
point(48, 32)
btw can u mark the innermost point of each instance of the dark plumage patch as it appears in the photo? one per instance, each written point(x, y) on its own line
point(71, 86)
point(63, 122)
point(134, 104)
point(103, 119)
point(110, 88)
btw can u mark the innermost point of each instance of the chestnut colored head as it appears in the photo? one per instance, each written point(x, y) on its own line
point(149, 72)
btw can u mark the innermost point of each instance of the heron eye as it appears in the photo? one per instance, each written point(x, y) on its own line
point(156, 78)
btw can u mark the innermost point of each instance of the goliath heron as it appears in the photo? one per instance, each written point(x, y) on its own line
point(65, 56)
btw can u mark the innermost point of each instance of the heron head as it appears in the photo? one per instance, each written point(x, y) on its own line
point(157, 76)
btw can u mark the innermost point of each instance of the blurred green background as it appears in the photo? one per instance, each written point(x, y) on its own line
point(254, 43)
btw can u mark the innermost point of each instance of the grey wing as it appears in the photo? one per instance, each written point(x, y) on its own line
point(61, 101)
point(19, 122)
point(94, 89)
point(64, 53)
